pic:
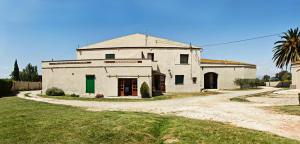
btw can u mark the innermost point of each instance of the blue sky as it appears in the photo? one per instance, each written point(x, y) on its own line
point(36, 30)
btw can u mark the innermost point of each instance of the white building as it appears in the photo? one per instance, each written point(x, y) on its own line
point(295, 69)
point(119, 66)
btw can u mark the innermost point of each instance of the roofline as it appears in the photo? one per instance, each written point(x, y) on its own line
point(80, 49)
point(225, 62)
point(228, 63)
point(244, 66)
point(120, 36)
point(93, 60)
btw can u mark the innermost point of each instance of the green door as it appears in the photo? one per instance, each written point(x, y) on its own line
point(90, 84)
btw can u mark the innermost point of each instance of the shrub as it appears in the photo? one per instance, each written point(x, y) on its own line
point(74, 95)
point(55, 92)
point(299, 98)
point(99, 96)
point(5, 87)
point(248, 83)
point(145, 90)
point(284, 84)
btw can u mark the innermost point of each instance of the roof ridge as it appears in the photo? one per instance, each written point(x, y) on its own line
point(136, 41)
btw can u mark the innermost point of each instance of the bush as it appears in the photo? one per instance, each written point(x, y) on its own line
point(99, 96)
point(74, 95)
point(284, 84)
point(55, 92)
point(248, 83)
point(5, 87)
point(299, 98)
point(145, 90)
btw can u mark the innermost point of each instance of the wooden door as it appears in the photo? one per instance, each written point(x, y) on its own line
point(162, 83)
point(121, 87)
point(134, 87)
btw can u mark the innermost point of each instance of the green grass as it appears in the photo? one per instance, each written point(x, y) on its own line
point(288, 109)
point(68, 97)
point(184, 95)
point(24, 121)
point(162, 97)
point(244, 98)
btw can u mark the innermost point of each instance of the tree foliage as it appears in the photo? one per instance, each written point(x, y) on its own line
point(283, 76)
point(266, 78)
point(29, 73)
point(15, 75)
point(287, 50)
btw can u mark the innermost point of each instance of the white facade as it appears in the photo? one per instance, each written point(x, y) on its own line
point(71, 75)
point(295, 68)
point(228, 73)
point(119, 64)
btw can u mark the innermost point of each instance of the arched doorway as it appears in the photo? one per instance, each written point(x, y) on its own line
point(211, 80)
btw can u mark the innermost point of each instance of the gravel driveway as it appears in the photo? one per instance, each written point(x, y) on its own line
point(215, 107)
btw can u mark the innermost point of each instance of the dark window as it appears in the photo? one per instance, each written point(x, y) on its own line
point(194, 80)
point(184, 58)
point(179, 79)
point(150, 56)
point(109, 56)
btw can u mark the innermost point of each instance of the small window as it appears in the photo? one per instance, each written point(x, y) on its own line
point(194, 80)
point(109, 56)
point(184, 58)
point(150, 56)
point(179, 79)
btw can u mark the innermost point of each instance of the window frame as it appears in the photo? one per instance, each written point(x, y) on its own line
point(183, 61)
point(106, 56)
point(152, 56)
point(180, 81)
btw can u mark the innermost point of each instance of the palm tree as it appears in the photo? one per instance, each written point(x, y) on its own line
point(287, 50)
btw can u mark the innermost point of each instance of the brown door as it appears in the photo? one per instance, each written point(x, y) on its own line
point(162, 83)
point(121, 87)
point(134, 87)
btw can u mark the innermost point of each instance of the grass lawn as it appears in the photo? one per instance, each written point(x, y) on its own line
point(183, 95)
point(244, 98)
point(288, 109)
point(24, 121)
point(162, 97)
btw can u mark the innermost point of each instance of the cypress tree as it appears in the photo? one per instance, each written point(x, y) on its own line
point(15, 75)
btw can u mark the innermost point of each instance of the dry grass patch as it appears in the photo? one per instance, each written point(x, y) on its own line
point(287, 109)
point(244, 98)
point(184, 95)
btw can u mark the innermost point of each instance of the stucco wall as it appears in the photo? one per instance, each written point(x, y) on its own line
point(71, 75)
point(295, 76)
point(228, 73)
point(166, 60)
point(73, 80)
